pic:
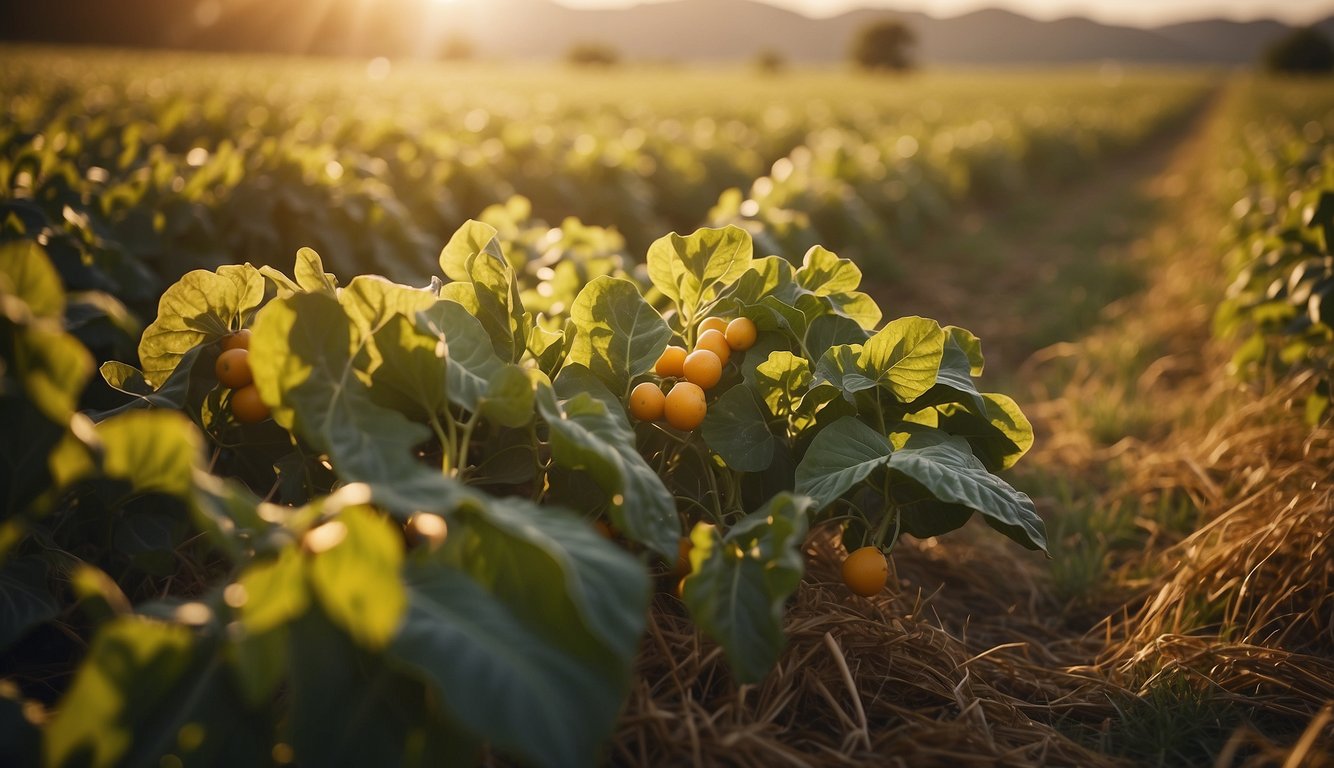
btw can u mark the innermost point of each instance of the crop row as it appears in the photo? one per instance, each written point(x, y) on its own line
point(137, 169)
point(1280, 304)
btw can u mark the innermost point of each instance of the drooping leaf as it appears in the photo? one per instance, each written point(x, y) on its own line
point(946, 467)
point(472, 361)
point(999, 439)
point(736, 428)
point(587, 434)
point(584, 593)
point(618, 335)
point(843, 454)
point(739, 582)
point(500, 677)
point(189, 383)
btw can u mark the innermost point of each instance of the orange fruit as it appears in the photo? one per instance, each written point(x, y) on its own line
point(682, 567)
point(685, 406)
point(713, 324)
point(702, 367)
point(646, 402)
point(237, 340)
point(233, 368)
point(714, 341)
point(866, 571)
point(669, 362)
point(247, 406)
point(741, 334)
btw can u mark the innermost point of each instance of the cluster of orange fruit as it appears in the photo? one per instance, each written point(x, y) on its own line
point(694, 372)
point(233, 371)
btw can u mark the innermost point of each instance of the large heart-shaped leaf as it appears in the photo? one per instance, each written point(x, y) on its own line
point(904, 356)
point(618, 335)
point(843, 454)
point(472, 362)
point(200, 308)
point(946, 467)
point(692, 270)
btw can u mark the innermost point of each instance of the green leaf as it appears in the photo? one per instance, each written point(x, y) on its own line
point(500, 677)
point(302, 361)
point(618, 335)
point(971, 346)
point(692, 270)
point(154, 451)
point(828, 331)
point(350, 708)
point(123, 688)
point(736, 429)
point(275, 592)
point(904, 356)
point(54, 368)
point(841, 455)
point(189, 383)
point(371, 301)
point(825, 274)
point(781, 381)
point(1000, 439)
point(26, 598)
point(584, 593)
point(200, 308)
point(739, 582)
point(510, 397)
point(26, 273)
point(945, 466)
point(472, 238)
point(485, 284)
point(472, 361)
point(954, 381)
point(357, 579)
point(310, 275)
point(587, 434)
point(412, 374)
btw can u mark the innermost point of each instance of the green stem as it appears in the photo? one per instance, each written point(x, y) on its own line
point(446, 445)
point(465, 441)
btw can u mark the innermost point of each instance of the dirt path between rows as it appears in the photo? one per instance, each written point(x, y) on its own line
point(1043, 269)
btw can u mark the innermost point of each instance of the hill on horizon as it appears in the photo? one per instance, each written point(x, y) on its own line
point(679, 30)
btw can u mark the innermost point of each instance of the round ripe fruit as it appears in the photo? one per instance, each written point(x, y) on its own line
point(741, 333)
point(714, 341)
point(682, 567)
point(233, 368)
point(669, 363)
point(646, 402)
point(238, 340)
point(713, 324)
point(866, 571)
point(685, 406)
point(247, 406)
point(702, 367)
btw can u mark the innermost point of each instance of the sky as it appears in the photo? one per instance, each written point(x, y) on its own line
point(1130, 12)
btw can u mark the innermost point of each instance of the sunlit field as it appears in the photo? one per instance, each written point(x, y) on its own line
point(371, 412)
